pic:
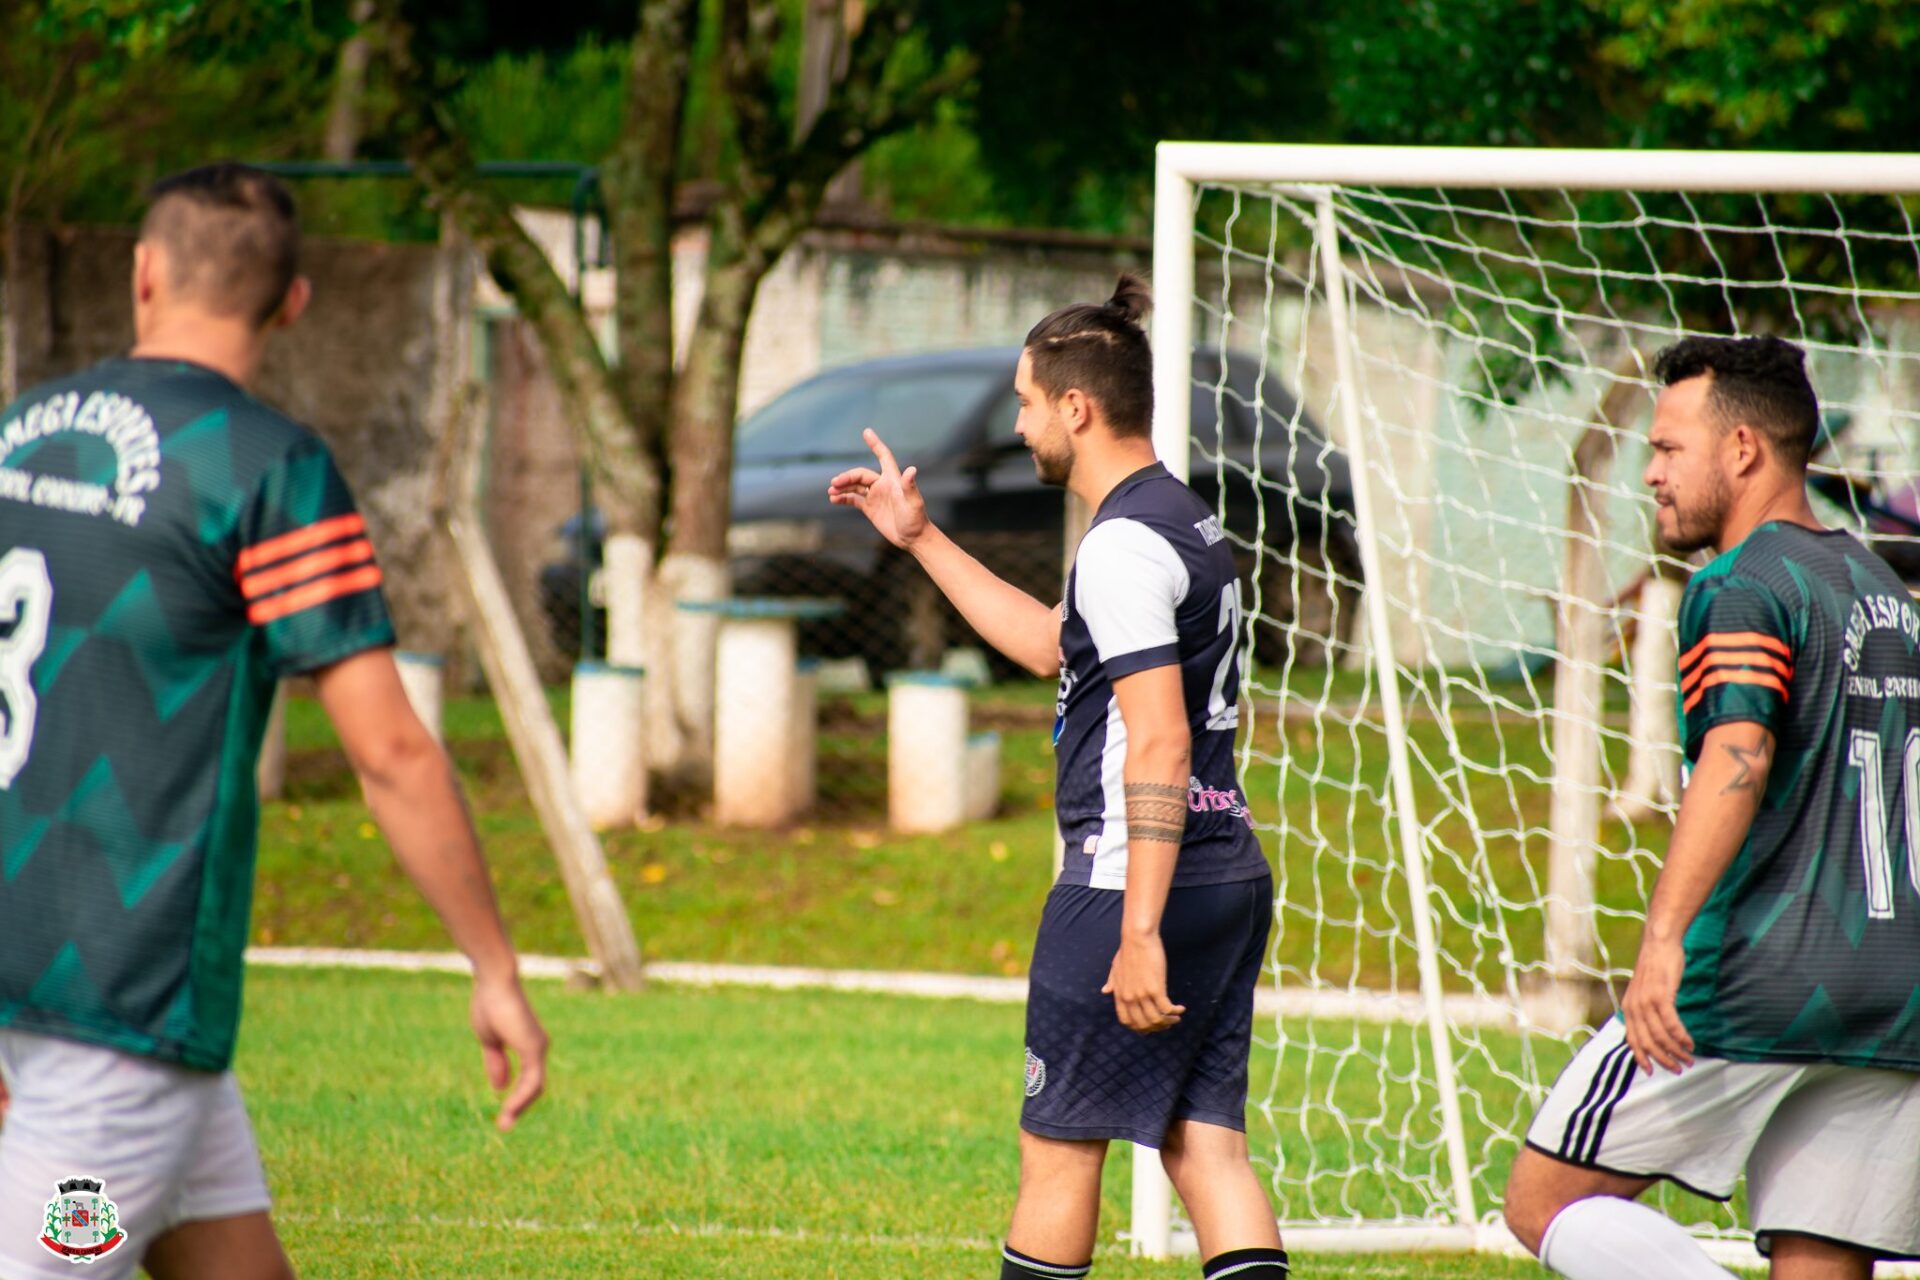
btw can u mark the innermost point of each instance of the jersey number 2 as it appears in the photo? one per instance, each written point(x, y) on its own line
point(26, 601)
point(1223, 710)
point(1863, 752)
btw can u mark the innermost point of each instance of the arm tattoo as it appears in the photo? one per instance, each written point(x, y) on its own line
point(1156, 811)
point(1747, 758)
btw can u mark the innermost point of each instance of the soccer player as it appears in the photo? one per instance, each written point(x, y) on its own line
point(1773, 1019)
point(172, 547)
point(1140, 1010)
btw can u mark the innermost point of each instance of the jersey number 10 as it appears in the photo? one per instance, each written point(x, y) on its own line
point(26, 601)
point(1863, 752)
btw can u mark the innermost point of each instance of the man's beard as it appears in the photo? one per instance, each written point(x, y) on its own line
point(1054, 469)
point(1701, 525)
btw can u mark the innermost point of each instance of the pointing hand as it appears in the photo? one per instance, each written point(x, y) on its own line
point(889, 497)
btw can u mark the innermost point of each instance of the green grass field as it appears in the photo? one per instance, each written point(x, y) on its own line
point(686, 1133)
point(820, 1135)
point(842, 892)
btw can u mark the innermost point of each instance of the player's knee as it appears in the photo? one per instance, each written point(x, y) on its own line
point(1203, 1143)
point(1202, 1155)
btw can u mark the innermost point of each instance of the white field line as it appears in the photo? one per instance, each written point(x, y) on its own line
point(1413, 1240)
point(1291, 1002)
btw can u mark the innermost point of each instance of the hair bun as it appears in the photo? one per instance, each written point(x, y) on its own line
point(1131, 298)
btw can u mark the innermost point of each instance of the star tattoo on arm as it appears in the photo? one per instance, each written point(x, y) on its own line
point(1747, 759)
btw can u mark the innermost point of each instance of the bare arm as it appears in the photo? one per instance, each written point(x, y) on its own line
point(410, 787)
point(1158, 763)
point(1006, 617)
point(1715, 815)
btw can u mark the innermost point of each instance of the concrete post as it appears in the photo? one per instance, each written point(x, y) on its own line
point(804, 743)
point(753, 722)
point(926, 752)
point(608, 748)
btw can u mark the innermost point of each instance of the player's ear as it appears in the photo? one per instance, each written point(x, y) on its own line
point(299, 294)
point(1747, 450)
point(145, 271)
point(1075, 408)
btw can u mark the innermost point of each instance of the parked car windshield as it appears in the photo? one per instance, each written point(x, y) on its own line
point(913, 411)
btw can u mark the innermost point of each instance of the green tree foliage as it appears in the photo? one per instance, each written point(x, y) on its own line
point(1065, 118)
point(104, 96)
point(1733, 73)
point(1682, 74)
point(1624, 73)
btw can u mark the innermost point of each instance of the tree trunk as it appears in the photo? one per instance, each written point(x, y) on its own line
point(704, 403)
point(627, 477)
point(345, 120)
point(1653, 750)
point(700, 455)
point(1579, 764)
point(638, 183)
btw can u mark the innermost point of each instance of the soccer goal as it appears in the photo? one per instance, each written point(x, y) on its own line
point(1461, 747)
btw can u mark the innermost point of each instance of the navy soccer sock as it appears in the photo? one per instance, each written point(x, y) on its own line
point(1247, 1264)
point(1015, 1265)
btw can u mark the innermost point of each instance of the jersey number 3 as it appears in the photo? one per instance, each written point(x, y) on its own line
point(26, 601)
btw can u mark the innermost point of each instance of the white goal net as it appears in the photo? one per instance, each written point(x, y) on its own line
point(1432, 375)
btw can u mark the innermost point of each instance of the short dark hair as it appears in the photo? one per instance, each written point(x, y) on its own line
point(1760, 381)
point(1101, 349)
point(232, 237)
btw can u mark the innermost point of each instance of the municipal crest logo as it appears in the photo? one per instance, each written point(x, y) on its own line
point(82, 1224)
point(1036, 1074)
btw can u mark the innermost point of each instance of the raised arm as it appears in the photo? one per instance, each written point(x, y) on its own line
point(410, 786)
point(1006, 617)
point(1715, 814)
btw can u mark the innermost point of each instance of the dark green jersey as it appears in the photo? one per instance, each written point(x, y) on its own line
point(1809, 947)
point(169, 547)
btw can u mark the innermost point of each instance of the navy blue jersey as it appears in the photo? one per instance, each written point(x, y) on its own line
point(1153, 585)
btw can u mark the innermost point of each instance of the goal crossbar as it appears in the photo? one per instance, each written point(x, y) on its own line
point(1532, 168)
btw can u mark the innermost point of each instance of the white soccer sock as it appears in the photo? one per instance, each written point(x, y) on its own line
point(1606, 1238)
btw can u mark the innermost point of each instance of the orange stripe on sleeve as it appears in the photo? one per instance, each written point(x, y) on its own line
point(1735, 640)
point(1761, 678)
point(1723, 660)
point(325, 589)
point(255, 585)
point(299, 540)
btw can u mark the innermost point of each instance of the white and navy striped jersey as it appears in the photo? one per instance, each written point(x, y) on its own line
point(1152, 585)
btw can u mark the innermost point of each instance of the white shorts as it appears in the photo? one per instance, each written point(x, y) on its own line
point(171, 1145)
point(1828, 1151)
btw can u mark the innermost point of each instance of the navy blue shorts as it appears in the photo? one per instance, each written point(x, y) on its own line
point(1088, 1076)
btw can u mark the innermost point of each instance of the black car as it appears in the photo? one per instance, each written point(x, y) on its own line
point(952, 415)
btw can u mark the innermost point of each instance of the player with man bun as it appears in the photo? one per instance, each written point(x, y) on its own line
point(1140, 1007)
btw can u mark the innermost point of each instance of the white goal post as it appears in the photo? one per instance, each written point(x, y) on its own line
point(1464, 840)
